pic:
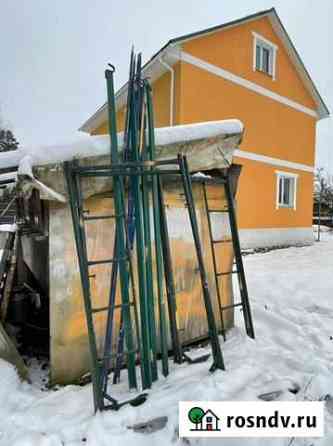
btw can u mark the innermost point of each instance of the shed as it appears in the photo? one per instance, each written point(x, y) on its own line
point(49, 248)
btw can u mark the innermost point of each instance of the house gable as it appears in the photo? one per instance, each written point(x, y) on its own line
point(295, 87)
point(232, 49)
point(210, 413)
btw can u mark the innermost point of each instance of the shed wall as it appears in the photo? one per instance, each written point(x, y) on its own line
point(69, 345)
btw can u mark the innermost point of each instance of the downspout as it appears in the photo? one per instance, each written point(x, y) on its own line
point(172, 87)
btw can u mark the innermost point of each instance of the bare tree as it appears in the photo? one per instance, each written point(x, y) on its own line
point(323, 195)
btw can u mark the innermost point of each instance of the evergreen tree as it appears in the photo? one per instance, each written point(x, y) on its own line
point(7, 140)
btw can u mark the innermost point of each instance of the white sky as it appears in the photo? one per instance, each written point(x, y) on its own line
point(53, 54)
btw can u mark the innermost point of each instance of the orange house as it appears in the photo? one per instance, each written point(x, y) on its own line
point(247, 69)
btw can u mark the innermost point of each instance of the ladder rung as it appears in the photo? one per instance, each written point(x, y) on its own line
point(127, 173)
point(102, 217)
point(221, 241)
point(226, 273)
point(217, 210)
point(109, 307)
point(227, 307)
point(166, 162)
point(101, 262)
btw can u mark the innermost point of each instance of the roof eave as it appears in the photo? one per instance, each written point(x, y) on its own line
point(321, 108)
point(148, 70)
point(207, 31)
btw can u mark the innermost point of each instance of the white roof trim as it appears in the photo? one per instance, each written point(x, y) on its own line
point(300, 68)
point(246, 84)
point(251, 155)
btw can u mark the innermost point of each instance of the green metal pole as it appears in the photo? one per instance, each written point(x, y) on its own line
point(140, 252)
point(169, 279)
point(149, 276)
point(158, 242)
point(147, 233)
point(123, 253)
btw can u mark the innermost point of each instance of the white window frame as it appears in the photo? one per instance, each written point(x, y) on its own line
point(271, 47)
point(294, 176)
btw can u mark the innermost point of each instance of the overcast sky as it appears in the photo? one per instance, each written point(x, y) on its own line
point(53, 54)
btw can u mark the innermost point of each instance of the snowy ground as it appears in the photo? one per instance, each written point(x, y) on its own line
point(291, 293)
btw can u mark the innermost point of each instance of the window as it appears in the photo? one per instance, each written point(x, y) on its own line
point(264, 59)
point(264, 55)
point(286, 190)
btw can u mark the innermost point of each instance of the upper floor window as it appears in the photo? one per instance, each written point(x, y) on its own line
point(264, 55)
point(286, 190)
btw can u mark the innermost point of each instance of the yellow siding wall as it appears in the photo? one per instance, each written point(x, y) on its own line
point(256, 198)
point(271, 128)
point(232, 49)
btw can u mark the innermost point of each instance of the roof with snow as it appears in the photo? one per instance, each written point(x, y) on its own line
point(207, 146)
point(95, 146)
point(154, 69)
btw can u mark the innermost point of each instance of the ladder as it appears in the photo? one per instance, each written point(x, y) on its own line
point(122, 255)
point(238, 262)
point(218, 362)
point(80, 217)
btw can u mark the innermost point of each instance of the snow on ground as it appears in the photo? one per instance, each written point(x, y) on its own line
point(38, 371)
point(291, 293)
point(8, 228)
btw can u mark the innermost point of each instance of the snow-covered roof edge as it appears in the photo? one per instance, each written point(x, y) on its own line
point(92, 146)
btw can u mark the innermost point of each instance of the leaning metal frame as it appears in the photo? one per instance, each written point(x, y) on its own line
point(74, 173)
